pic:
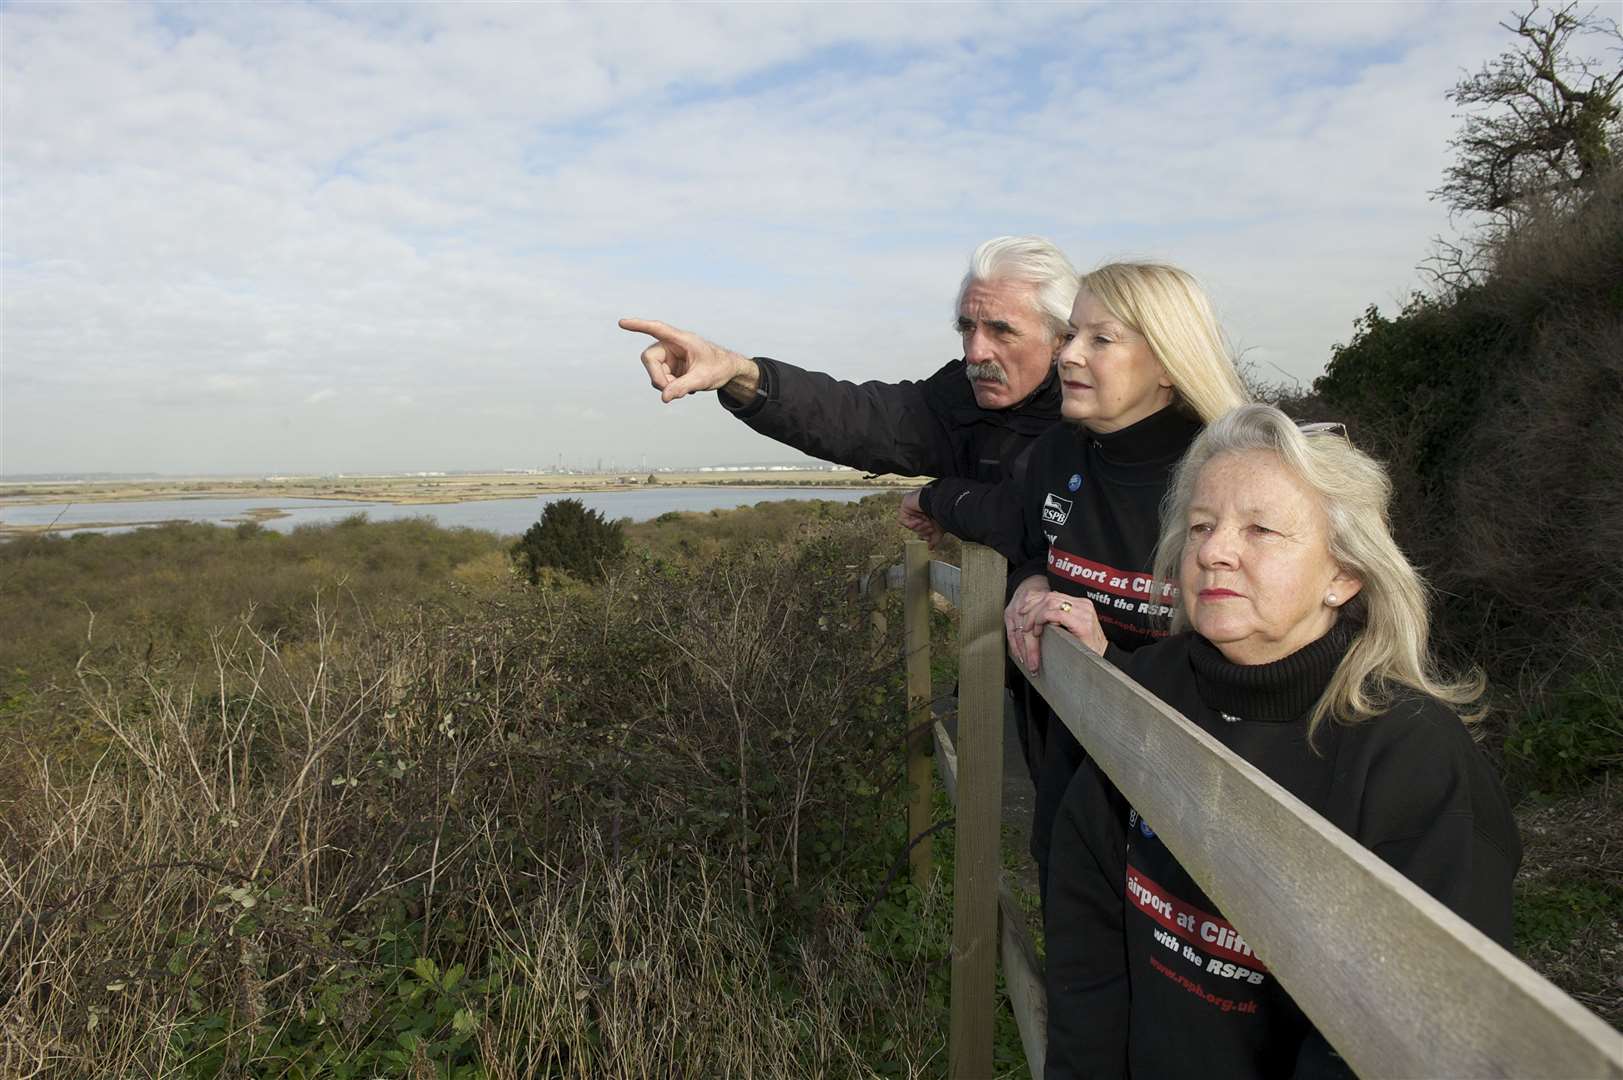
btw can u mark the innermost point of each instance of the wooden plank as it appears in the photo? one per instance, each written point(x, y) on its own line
point(1022, 975)
point(1023, 978)
point(980, 814)
point(946, 761)
point(945, 579)
point(1399, 984)
point(916, 624)
point(879, 579)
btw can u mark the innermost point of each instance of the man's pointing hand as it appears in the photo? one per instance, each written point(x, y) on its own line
point(680, 363)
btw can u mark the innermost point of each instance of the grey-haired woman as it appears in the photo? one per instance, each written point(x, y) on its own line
point(1300, 642)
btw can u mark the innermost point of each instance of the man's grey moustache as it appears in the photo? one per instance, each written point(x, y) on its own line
point(989, 372)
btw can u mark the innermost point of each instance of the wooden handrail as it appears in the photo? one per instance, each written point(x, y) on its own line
point(1397, 982)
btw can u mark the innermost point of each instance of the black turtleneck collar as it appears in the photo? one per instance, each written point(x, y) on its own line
point(1283, 690)
point(1159, 439)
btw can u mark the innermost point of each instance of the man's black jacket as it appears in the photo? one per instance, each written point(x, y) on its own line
point(927, 428)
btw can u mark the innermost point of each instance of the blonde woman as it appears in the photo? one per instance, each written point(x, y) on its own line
point(1142, 365)
point(1300, 642)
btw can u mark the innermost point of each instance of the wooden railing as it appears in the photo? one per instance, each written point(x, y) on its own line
point(1399, 984)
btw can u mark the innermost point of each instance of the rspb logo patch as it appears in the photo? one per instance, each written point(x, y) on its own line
point(1074, 482)
point(1055, 509)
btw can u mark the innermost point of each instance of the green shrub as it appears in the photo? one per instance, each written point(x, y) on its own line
point(1573, 736)
point(1551, 916)
point(571, 538)
point(1498, 408)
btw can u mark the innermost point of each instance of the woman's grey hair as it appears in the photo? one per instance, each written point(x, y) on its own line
point(1390, 647)
point(1030, 259)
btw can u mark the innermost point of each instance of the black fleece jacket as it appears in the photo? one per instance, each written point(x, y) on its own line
point(1132, 993)
point(1084, 510)
point(931, 427)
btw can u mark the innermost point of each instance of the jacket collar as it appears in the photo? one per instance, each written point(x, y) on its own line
point(1032, 415)
point(1159, 439)
point(1045, 399)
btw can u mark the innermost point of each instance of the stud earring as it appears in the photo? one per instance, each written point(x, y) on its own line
point(1331, 599)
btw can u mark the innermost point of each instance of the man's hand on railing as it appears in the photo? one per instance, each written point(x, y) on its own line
point(912, 517)
point(1035, 606)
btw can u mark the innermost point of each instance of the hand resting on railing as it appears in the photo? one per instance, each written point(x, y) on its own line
point(1035, 606)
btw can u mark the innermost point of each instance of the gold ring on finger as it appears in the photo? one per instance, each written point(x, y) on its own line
point(1065, 605)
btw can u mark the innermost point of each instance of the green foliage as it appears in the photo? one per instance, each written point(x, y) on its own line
point(1552, 913)
point(571, 538)
point(394, 1014)
point(1418, 381)
point(1573, 736)
point(1498, 409)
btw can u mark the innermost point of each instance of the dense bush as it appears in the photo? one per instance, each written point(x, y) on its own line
point(702, 536)
point(1499, 409)
point(571, 538)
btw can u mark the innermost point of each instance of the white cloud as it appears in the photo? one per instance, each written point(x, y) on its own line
point(426, 218)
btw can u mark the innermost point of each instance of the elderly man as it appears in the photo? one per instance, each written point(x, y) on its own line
point(973, 418)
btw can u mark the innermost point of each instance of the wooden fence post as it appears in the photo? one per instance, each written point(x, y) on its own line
point(916, 616)
point(980, 814)
point(878, 625)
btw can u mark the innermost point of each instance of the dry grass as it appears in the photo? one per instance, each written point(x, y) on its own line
point(568, 835)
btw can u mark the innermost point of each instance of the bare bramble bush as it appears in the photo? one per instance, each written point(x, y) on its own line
point(545, 832)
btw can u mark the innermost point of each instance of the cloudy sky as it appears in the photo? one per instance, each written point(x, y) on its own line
point(288, 237)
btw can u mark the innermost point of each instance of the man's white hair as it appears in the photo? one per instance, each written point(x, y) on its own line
point(1030, 259)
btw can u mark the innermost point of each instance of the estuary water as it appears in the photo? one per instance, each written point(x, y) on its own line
point(506, 516)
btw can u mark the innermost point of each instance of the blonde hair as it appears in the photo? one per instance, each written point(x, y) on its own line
point(1390, 643)
point(1036, 262)
point(1170, 309)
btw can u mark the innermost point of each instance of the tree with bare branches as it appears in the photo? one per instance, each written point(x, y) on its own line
point(1542, 122)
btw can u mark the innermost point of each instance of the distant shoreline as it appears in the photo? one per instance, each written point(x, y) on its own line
point(47, 506)
point(422, 491)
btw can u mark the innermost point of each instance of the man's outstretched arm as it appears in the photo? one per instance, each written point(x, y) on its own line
point(874, 426)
